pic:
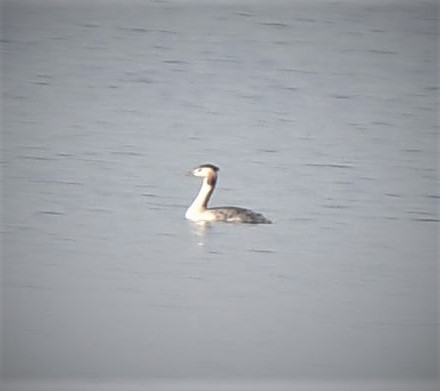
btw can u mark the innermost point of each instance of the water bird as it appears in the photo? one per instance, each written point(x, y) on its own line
point(199, 211)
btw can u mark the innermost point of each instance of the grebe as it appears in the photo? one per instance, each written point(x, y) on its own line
point(199, 211)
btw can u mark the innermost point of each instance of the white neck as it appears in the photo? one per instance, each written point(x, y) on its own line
point(200, 203)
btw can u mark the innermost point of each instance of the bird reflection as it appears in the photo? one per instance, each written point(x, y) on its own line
point(200, 230)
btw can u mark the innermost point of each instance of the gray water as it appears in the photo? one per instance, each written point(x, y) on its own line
point(321, 115)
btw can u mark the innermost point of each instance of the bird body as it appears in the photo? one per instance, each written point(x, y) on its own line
point(198, 211)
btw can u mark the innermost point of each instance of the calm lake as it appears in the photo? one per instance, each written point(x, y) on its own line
point(323, 115)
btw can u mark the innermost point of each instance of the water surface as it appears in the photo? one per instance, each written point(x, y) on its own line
point(322, 116)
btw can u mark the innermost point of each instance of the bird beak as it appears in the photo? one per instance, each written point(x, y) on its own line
point(189, 173)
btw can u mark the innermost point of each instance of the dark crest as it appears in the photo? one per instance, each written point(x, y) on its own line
point(211, 166)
